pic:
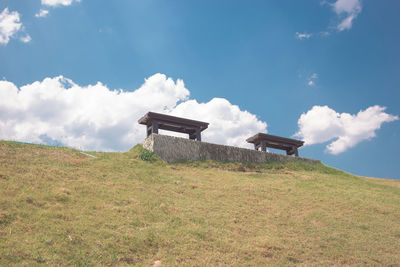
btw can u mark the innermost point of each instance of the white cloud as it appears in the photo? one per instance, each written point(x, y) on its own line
point(42, 13)
point(9, 25)
point(322, 124)
point(311, 80)
point(26, 39)
point(346, 23)
point(93, 117)
point(349, 9)
point(302, 36)
point(324, 33)
point(347, 6)
point(55, 3)
point(228, 124)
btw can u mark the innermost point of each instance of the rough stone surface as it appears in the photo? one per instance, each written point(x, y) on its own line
point(173, 149)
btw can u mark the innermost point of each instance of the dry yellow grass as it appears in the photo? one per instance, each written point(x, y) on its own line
point(59, 207)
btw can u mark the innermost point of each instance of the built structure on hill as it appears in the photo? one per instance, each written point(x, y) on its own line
point(155, 121)
point(263, 141)
point(173, 149)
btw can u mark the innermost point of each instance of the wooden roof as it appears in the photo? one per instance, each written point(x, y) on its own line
point(273, 140)
point(169, 121)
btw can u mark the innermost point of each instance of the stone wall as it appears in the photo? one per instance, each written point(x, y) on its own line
point(173, 149)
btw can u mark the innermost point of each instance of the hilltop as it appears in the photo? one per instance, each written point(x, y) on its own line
point(60, 207)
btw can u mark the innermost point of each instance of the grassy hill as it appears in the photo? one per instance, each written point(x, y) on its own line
point(60, 207)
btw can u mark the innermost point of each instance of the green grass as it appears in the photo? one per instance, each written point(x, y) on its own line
point(60, 207)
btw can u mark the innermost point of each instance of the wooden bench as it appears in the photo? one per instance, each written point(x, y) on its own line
point(155, 121)
point(266, 140)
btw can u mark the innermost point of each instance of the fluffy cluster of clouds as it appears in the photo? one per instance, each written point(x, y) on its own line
point(57, 111)
point(322, 124)
point(228, 123)
point(10, 25)
point(44, 11)
point(348, 10)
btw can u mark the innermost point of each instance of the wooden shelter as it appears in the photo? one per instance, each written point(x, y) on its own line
point(266, 140)
point(155, 121)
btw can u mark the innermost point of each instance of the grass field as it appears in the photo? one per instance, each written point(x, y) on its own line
point(60, 207)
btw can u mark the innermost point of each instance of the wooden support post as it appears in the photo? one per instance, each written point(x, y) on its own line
point(149, 129)
point(155, 127)
point(296, 152)
point(257, 145)
point(292, 151)
point(263, 146)
point(198, 134)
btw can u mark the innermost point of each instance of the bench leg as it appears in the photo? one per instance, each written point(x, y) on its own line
point(257, 146)
point(149, 129)
point(292, 151)
point(263, 146)
point(198, 135)
point(155, 127)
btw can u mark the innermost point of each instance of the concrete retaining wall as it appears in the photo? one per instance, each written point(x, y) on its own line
point(173, 149)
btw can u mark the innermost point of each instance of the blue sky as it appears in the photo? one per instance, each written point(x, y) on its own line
point(277, 60)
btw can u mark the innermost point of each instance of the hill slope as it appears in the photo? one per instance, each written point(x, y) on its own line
point(60, 207)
